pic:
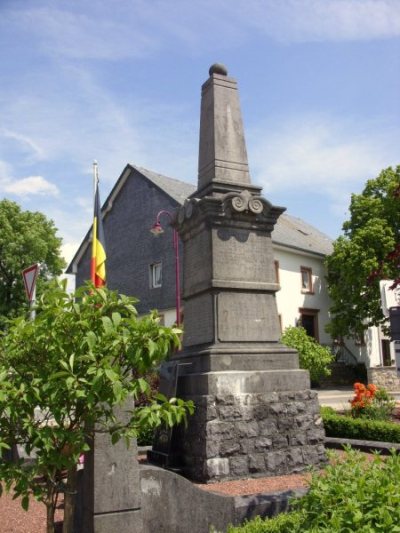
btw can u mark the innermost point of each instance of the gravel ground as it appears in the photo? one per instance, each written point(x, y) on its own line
point(244, 487)
point(13, 519)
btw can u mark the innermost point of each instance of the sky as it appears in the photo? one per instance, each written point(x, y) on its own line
point(119, 82)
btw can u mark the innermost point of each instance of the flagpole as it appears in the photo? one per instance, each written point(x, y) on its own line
point(98, 258)
point(95, 178)
point(95, 183)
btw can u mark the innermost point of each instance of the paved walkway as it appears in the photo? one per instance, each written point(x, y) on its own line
point(339, 397)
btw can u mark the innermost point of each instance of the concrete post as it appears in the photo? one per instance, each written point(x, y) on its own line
point(110, 495)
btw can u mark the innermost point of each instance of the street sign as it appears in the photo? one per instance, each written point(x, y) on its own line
point(30, 275)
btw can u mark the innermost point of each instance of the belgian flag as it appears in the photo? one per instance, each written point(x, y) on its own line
point(98, 262)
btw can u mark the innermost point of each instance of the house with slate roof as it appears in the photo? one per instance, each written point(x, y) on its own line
point(143, 266)
point(140, 265)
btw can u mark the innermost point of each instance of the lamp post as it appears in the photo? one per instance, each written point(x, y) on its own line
point(156, 230)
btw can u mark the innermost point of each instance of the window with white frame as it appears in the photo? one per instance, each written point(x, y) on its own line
point(155, 275)
point(306, 279)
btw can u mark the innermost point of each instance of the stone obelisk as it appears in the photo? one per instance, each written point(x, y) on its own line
point(255, 413)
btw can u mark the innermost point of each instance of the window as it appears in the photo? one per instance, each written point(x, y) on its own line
point(309, 321)
point(155, 275)
point(276, 264)
point(306, 279)
point(385, 343)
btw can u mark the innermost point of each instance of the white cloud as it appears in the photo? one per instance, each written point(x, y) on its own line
point(323, 20)
point(320, 154)
point(26, 143)
point(24, 187)
point(60, 112)
point(5, 171)
point(32, 185)
point(87, 30)
point(68, 250)
point(136, 28)
point(90, 123)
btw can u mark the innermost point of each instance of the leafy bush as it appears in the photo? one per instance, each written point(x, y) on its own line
point(74, 362)
point(312, 356)
point(354, 494)
point(145, 436)
point(282, 523)
point(326, 410)
point(344, 426)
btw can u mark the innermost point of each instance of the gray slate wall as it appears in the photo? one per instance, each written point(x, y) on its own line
point(131, 248)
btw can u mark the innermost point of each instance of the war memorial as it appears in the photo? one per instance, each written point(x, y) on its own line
point(255, 413)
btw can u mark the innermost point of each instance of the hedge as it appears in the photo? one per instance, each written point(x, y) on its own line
point(344, 426)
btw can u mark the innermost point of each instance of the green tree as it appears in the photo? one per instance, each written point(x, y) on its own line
point(63, 374)
point(26, 238)
point(368, 251)
point(312, 356)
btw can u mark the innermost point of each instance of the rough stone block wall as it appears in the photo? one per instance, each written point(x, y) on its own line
point(385, 376)
point(253, 435)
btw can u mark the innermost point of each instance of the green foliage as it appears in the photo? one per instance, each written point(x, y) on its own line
point(326, 410)
point(345, 426)
point(63, 374)
point(312, 356)
point(25, 238)
point(282, 523)
point(145, 436)
point(363, 256)
point(354, 494)
point(381, 407)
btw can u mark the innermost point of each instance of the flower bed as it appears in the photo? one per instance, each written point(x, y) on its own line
point(373, 416)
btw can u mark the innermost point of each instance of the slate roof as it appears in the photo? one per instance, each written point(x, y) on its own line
point(295, 233)
point(289, 231)
point(178, 190)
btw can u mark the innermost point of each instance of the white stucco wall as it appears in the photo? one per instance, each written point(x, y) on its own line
point(169, 317)
point(291, 298)
point(374, 356)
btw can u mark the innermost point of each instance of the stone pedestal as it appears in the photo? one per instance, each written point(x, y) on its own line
point(251, 435)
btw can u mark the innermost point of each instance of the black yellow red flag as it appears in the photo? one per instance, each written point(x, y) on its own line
point(98, 260)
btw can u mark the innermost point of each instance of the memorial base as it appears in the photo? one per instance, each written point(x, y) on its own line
point(251, 435)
